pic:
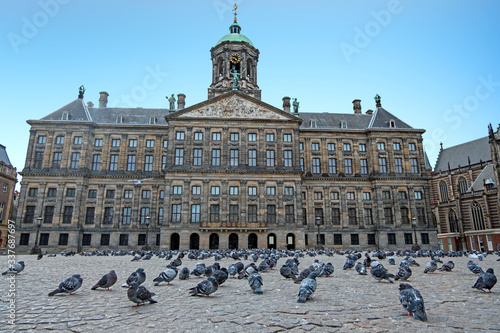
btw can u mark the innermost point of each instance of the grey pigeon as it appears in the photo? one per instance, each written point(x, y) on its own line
point(447, 267)
point(349, 263)
point(184, 273)
point(263, 266)
point(249, 269)
point(255, 282)
point(198, 270)
point(404, 273)
point(106, 281)
point(380, 273)
point(474, 268)
point(166, 276)
point(205, 287)
point(368, 260)
point(391, 261)
point(307, 287)
point(221, 275)
point(175, 263)
point(39, 256)
point(412, 301)
point(412, 261)
point(327, 270)
point(15, 269)
point(486, 280)
point(70, 285)
point(286, 272)
point(232, 270)
point(209, 270)
point(360, 268)
point(430, 267)
point(139, 294)
point(136, 257)
point(139, 276)
point(303, 275)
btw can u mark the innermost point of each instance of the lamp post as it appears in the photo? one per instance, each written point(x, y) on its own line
point(318, 223)
point(36, 249)
point(415, 247)
point(146, 245)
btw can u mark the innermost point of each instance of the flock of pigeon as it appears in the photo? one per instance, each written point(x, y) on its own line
point(215, 275)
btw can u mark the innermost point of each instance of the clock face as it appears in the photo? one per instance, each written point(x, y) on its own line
point(235, 58)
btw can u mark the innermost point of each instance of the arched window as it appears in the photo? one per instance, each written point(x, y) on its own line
point(392, 123)
point(477, 216)
point(452, 220)
point(119, 120)
point(220, 67)
point(153, 120)
point(443, 189)
point(249, 73)
point(462, 185)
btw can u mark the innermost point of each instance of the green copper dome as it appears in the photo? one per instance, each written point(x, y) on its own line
point(235, 35)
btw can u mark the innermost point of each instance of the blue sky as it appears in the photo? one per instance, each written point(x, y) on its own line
point(434, 63)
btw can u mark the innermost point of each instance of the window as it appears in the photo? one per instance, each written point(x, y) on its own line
point(336, 216)
point(252, 213)
point(165, 144)
point(334, 195)
point(70, 192)
point(287, 137)
point(318, 195)
point(396, 146)
point(146, 194)
point(67, 214)
point(443, 190)
point(337, 239)
point(351, 214)
point(270, 158)
point(402, 195)
point(371, 239)
point(92, 194)
point(382, 164)
point(391, 238)
point(41, 139)
point(128, 194)
point(108, 215)
point(405, 215)
point(270, 137)
point(119, 119)
point(289, 191)
point(197, 156)
point(105, 239)
point(348, 166)
point(331, 147)
point(164, 161)
point(33, 192)
point(198, 136)
point(386, 195)
point(216, 136)
point(98, 143)
point(96, 162)
point(408, 238)
point(343, 124)
point(59, 140)
point(233, 190)
point(25, 239)
point(420, 215)
point(233, 213)
point(123, 240)
point(380, 145)
point(176, 213)
point(301, 145)
point(179, 135)
point(252, 137)
point(271, 214)
point(271, 190)
point(75, 159)
point(126, 215)
point(132, 143)
point(52, 192)
point(153, 120)
point(215, 156)
point(368, 216)
point(113, 162)
point(287, 157)
point(177, 190)
point(131, 162)
point(234, 136)
point(38, 160)
point(462, 185)
point(354, 239)
point(148, 163)
point(350, 196)
point(412, 146)
point(414, 165)
point(316, 165)
point(150, 143)
point(398, 163)
point(252, 190)
point(144, 215)
point(362, 147)
point(90, 215)
point(86, 239)
point(196, 190)
point(289, 214)
point(110, 194)
point(179, 156)
point(115, 143)
point(424, 237)
point(301, 164)
point(367, 196)
point(347, 147)
point(195, 213)
point(49, 214)
point(364, 166)
point(315, 146)
point(160, 216)
point(214, 190)
point(44, 239)
point(252, 157)
point(234, 157)
point(56, 161)
point(30, 214)
point(214, 213)
point(388, 215)
point(161, 194)
point(332, 165)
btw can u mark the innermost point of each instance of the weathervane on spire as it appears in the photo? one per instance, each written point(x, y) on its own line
point(234, 10)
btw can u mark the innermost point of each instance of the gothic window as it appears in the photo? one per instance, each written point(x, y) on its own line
point(443, 190)
point(462, 185)
point(452, 220)
point(477, 216)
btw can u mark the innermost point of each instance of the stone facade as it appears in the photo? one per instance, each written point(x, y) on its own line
point(8, 180)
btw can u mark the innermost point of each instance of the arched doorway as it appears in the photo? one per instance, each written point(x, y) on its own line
point(213, 242)
point(252, 241)
point(290, 241)
point(194, 242)
point(174, 241)
point(233, 241)
point(271, 241)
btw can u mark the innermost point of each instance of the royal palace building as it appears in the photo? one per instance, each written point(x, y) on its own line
point(229, 172)
point(8, 180)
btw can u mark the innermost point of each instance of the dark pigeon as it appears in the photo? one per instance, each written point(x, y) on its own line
point(70, 285)
point(221, 275)
point(430, 267)
point(391, 260)
point(368, 260)
point(360, 268)
point(255, 282)
point(166, 276)
point(15, 269)
point(380, 273)
point(139, 294)
point(198, 270)
point(474, 268)
point(412, 301)
point(286, 272)
point(486, 280)
point(307, 288)
point(175, 263)
point(349, 263)
point(184, 273)
point(232, 270)
point(40, 256)
point(106, 281)
point(404, 273)
point(303, 275)
point(447, 267)
point(327, 270)
point(139, 276)
point(205, 287)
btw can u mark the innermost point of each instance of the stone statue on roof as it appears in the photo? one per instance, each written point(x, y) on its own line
point(295, 106)
point(171, 101)
point(81, 91)
point(236, 78)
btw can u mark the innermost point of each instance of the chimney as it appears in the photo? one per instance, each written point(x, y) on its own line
point(356, 105)
point(181, 101)
point(103, 99)
point(90, 104)
point(369, 111)
point(286, 104)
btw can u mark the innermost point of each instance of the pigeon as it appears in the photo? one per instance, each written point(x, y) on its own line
point(430, 267)
point(221, 275)
point(40, 256)
point(70, 285)
point(137, 257)
point(412, 261)
point(175, 263)
point(205, 287)
point(166, 276)
point(232, 270)
point(184, 273)
point(412, 301)
point(327, 270)
point(447, 267)
point(286, 272)
point(263, 266)
point(249, 269)
point(307, 287)
point(209, 270)
point(361, 269)
point(106, 281)
point(391, 261)
point(367, 261)
point(139, 294)
point(255, 282)
point(15, 269)
point(349, 263)
point(474, 268)
point(380, 273)
point(198, 270)
point(404, 273)
point(303, 275)
point(138, 276)
point(486, 280)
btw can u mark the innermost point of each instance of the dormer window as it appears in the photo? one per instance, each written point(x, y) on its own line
point(65, 116)
point(392, 124)
point(153, 121)
point(119, 120)
point(313, 124)
point(343, 124)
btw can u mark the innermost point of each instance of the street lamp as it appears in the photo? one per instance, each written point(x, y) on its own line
point(415, 247)
point(36, 249)
point(318, 223)
point(146, 245)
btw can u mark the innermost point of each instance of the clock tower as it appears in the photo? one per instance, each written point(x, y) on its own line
point(234, 64)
